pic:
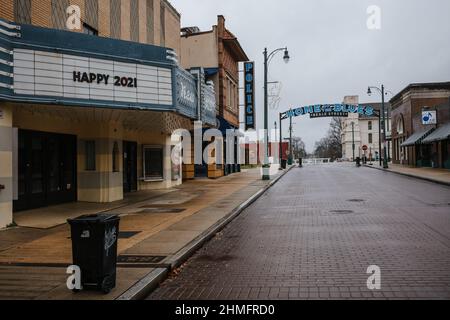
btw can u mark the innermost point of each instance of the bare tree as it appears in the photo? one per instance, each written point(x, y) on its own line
point(331, 145)
point(298, 148)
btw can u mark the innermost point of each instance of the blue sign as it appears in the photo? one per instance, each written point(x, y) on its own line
point(328, 110)
point(249, 91)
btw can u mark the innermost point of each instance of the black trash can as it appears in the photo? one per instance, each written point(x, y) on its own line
point(283, 163)
point(94, 250)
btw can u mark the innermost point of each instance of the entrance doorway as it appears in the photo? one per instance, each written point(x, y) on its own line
point(47, 169)
point(129, 166)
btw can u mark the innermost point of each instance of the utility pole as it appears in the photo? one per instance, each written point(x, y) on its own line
point(353, 140)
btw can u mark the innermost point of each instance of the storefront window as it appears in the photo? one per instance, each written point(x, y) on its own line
point(153, 162)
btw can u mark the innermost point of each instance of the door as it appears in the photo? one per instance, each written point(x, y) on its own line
point(46, 169)
point(129, 166)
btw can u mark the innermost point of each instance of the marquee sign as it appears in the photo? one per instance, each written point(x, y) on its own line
point(39, 73)
point(249, 92)
point(328, 110)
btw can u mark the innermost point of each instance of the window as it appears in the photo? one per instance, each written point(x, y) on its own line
point(153, 163)
point(87, 29)
point(370, 138)
point(115, 157)
point(90, 155)
point(370, 125)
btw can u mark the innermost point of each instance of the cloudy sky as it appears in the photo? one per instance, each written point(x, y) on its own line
point(333, 53)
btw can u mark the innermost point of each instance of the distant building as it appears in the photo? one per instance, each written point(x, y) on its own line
point(366, 133)
point(416, 142)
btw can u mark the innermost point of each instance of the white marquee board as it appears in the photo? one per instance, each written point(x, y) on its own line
point(39, 73)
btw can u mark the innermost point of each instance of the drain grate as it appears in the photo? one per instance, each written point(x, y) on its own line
point(342, 211)
point(140, 259)
point(162, 210)
point(356, 200)
point(127, 234)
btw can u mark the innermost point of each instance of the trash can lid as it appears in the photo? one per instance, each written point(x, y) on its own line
point(94, 218)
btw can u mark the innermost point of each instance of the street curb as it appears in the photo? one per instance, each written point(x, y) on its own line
point(411, 176)
point(151, 281)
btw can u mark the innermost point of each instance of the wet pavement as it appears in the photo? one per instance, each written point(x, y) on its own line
point(314, 234)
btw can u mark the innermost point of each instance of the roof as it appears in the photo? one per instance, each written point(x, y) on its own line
point(429, 86)
point(231, 41)
point(417, 137)
point(441, 133)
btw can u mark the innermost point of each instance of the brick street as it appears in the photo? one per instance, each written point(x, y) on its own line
point(314, 234)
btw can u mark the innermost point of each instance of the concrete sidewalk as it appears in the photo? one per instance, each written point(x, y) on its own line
point(156, 234)
point(441, 176)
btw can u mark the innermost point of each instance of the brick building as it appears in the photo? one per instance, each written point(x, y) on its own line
point(218, 52)
point(154, 22)
point(414, 143)
point(88, 115)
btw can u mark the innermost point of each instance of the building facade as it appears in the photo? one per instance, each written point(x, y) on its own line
point(364, 133)
point(416, 142)
point(154, 22)
point(218, 52)
point(85, 117)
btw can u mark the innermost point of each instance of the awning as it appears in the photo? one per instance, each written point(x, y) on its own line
point(417, 138)
point(441, 133)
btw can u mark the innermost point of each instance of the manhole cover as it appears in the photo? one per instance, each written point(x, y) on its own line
point(127, 234)
point(341, 211)
point(162, 210)
point(140, 259)
point(355, 200)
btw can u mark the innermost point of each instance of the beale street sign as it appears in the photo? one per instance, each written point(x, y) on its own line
point(249, 91)
point(328, 110)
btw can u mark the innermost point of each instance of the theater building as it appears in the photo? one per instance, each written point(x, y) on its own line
point(218, 52)
point(85, 117)
point(418, 139)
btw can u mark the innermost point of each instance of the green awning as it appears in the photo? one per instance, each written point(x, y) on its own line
point(416, 138)
point(441, 133)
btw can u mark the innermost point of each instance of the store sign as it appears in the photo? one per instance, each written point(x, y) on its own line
point(329, 110)
point(187, 101)
point(39, 73)
point(208, 106)
point(429, 117)
point(249, 91)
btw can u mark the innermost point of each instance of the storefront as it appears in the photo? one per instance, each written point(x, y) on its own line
point(85, 118)
point(420, 114)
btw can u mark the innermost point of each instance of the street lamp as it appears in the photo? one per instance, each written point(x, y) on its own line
point(267, 58)
point(353, 140)
point(382, 92)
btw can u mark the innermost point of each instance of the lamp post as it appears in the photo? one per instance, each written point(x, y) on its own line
point(353, 140)
point(369, 92)
point(290, 160)
point(267, 57)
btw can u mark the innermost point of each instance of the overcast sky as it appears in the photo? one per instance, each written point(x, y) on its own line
point(333, 53)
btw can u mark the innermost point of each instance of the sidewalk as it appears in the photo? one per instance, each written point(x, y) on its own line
point(441, 176)
point(157, 232)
